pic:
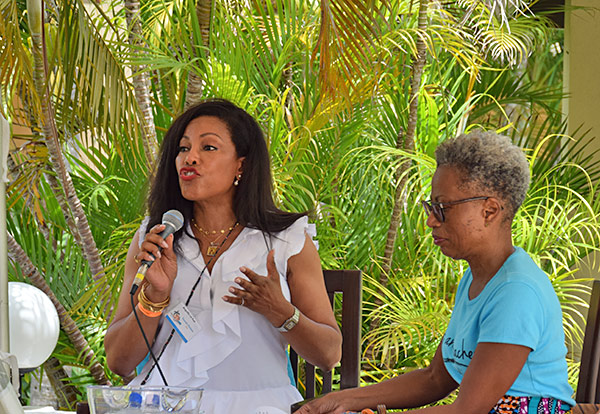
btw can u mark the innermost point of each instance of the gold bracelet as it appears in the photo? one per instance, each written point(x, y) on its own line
point(151, 306)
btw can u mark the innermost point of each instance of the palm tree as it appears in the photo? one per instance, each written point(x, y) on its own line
point(195, 85)
point(141, 82)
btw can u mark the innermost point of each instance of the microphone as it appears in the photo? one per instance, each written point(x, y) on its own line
point(173, 219)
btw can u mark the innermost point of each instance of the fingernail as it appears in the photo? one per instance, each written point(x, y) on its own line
point(232, 290)
point(238, 280)
point(242, 269)
point(225, 298)
point(164, 244)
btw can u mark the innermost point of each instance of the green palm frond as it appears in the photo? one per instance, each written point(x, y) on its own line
point(452, 37)
point(413, 318)
point(268, 50)
point(504, 30)
point(569, 159)
point(111, 191)
point(83, 68)
point(348, 37)
point(499, 89)
point(510, 43)
point(90, 72)
point(501, 10)
point(221, 81)
point(16, 74)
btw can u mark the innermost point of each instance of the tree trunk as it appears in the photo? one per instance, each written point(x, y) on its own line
point(50, 134)
point(141, 83)
point(288, 83)
point(195, 85)
point(66, 322)
point(405, 141)
point(54, 184)
point(67, 395)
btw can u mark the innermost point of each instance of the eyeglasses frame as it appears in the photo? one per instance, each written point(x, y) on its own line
point(438, 208)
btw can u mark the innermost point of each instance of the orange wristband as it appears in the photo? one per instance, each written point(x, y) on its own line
point(148, 312)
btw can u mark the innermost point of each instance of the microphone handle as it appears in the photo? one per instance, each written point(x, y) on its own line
point(139, 277)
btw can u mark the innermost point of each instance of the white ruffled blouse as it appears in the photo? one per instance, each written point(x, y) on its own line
point(238, 357)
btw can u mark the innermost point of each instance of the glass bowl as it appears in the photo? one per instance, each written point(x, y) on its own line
point(103, 399)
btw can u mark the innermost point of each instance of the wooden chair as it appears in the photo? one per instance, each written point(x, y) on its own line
point(586, 409)
point(349, 284)
point(588, 387)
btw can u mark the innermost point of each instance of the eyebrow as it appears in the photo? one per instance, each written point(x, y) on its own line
point(204, 135)
point(437, 200)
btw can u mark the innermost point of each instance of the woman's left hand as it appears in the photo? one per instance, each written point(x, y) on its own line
point(262, 294)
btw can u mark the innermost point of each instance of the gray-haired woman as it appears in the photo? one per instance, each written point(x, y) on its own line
point(504, 345)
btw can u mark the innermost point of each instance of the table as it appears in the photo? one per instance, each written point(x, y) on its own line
point(44, 410)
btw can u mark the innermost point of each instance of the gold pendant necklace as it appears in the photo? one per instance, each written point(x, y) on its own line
point(212, 249)
point(214, 245)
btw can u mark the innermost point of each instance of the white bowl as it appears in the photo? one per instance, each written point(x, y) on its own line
point(129, 400)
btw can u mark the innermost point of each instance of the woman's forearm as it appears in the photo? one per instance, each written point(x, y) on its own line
point(413, 389)
point(317, 343)
point(124, 343)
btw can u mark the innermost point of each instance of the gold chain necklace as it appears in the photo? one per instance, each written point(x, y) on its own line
point(213, 246)
point(213, 232)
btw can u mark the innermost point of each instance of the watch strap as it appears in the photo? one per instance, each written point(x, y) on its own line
point(291, 322)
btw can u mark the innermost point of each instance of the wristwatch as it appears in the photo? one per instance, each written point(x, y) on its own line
point(291, 322)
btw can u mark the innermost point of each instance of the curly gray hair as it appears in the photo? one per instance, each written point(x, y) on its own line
point(488, 161)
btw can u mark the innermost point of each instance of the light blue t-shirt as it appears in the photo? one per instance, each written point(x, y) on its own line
point(517, 306)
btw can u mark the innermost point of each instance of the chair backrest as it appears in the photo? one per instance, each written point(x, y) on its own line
point(349, 284)
point(588, 387)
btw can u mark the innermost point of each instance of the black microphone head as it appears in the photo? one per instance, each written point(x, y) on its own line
point(173, 218)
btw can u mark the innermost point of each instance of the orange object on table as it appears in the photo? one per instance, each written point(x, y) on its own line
point(380, 410)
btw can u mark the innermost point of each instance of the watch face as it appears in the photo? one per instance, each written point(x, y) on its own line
point(290, 323)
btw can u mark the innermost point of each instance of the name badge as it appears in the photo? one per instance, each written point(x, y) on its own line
point(184, 323)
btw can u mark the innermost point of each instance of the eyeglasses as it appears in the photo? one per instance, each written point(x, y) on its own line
point(438, 208)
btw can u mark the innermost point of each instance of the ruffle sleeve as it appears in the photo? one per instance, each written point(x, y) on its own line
point(290, 242)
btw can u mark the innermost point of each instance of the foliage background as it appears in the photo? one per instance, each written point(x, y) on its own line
point(332, 83)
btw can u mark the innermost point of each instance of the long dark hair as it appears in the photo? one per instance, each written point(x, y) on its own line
point(253, 200)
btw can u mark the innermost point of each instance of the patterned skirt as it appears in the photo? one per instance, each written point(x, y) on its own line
point(530, 405)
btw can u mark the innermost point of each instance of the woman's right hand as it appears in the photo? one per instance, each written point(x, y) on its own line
point(327, 404)
point(163, 271)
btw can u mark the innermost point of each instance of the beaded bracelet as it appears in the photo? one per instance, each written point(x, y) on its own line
point(151, 306)
point(147, 312)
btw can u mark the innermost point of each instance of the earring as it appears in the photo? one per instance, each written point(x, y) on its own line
point(236, 180)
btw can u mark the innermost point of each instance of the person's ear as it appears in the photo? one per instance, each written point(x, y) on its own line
point(492, 210)
point(241, 163)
